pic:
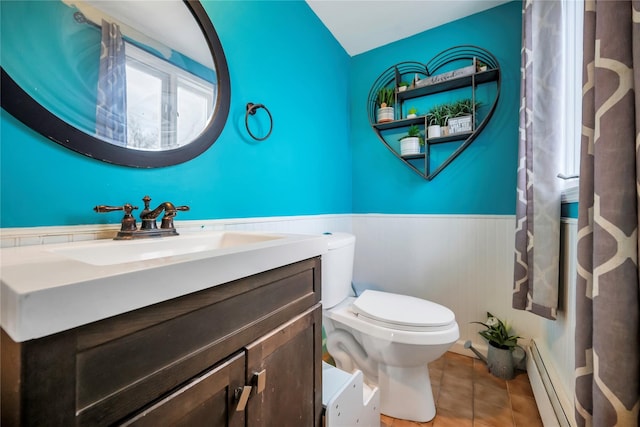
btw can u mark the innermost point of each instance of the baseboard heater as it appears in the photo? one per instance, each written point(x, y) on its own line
point(547, 399)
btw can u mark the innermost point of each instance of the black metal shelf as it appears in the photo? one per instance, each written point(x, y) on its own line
point(456, 83)
point(444, 66)
point(449, 138)
point(413, 156)
point(420, 120)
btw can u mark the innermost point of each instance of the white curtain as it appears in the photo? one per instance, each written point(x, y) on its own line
point(541, 155)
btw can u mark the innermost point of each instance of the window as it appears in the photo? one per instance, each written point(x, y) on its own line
point(572, 40)
point(167, 107)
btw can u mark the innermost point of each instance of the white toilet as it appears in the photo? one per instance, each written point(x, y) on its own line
point(389, 337)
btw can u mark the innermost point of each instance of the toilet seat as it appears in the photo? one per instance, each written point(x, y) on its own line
point(402, 312)
point(343, 314)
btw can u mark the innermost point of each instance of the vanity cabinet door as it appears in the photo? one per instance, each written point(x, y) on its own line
point(288, 359)
point(207, 400)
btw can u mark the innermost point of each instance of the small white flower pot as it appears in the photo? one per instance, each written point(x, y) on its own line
point(409, 145)
point(411, 116)
point(433, 131)
point(385, 114)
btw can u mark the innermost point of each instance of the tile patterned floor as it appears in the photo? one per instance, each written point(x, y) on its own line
point(467, 395)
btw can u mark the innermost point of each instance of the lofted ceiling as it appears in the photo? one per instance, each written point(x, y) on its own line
point(362, 25)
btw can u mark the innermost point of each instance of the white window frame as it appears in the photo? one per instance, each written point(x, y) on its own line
point(573, 15)
point(175, 77)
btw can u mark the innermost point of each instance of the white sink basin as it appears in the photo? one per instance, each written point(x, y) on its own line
point(47, 289)
point(123, 251)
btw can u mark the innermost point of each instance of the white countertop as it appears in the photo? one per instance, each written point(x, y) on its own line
point(47, 289)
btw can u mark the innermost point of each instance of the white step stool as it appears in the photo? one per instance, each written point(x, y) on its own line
point(347, 400)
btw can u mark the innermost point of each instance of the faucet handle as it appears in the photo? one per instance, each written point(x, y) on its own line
point(127, 208)
point(167, 219)
point(128, 221)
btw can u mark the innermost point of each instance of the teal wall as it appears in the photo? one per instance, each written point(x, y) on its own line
point(569, 210)
point(279, 54)
point(323, 157)
point(482, 179)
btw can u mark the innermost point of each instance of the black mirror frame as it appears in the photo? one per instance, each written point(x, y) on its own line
point(26, 109)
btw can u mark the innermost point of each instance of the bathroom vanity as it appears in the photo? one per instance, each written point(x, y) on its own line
point(246, 352)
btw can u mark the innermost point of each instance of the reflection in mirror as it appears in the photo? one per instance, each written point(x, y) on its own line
point(166, 106)
point(138, 75)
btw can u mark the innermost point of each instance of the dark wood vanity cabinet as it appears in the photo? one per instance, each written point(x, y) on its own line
point(206, 400)
point(182, 362)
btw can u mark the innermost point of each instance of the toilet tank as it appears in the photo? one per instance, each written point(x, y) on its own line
point(337, 268)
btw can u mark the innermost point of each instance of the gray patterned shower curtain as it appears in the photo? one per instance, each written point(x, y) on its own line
point(535, 286)
point(111, 108)
point(607, 388)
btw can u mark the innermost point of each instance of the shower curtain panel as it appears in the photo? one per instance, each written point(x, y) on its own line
point(607, 388)
point(535, 286)
point(111, 110)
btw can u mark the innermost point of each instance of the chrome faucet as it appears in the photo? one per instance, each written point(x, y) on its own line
point(148, 228)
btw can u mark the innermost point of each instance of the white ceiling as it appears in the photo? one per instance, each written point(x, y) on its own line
point(362, 25)
point(163, 25)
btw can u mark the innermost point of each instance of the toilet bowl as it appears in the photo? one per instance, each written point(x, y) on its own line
point(389, 337)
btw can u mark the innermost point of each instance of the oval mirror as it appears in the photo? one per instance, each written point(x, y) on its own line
point(135, 83)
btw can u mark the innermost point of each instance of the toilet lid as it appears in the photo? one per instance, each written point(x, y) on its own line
point(402, 311)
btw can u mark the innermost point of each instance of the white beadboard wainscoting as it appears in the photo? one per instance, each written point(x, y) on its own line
point(464, 262)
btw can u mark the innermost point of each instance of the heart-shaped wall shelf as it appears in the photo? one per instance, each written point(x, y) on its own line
point(457, 91)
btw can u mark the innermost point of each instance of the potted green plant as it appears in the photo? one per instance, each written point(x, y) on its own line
point(412, 141)
point(385, 100)
point(402, 86)
point(412, 113)
point(498, 333)
point(461, 115)
point(501, 345)
point(437, 119)
point(465, 106)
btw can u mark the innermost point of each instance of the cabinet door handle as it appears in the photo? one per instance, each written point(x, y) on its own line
point(260, 380)
point(242, 394)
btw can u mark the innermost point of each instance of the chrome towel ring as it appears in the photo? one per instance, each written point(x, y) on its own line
point(251, 110)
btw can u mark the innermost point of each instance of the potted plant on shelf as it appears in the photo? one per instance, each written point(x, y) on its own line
point(402, 86)
point(437, 119)
point(385, 101)
point(501, 345)
point(412, 113)
point(461, 115)
point(411, 142)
